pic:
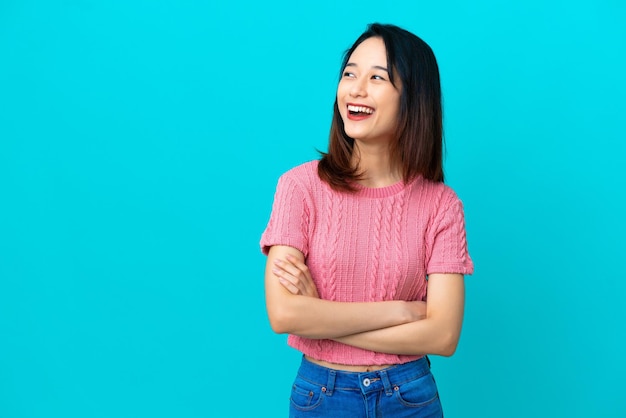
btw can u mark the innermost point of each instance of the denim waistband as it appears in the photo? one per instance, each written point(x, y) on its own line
point(386, 379)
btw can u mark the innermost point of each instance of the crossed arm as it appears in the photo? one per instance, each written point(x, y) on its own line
point(395, 327)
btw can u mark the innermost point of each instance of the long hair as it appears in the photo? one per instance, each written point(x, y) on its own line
point(417, 148)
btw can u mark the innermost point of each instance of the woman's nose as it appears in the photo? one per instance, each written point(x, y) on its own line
point(358, 88)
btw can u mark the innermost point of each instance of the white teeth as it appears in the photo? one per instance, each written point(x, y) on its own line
point(360, 109)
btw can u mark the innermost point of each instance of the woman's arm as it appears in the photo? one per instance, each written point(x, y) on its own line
point(438, 333)
point(312, 317)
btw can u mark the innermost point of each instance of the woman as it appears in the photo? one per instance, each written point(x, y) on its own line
point(357, 239)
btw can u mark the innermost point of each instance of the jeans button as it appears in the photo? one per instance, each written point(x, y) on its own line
point(366, 382)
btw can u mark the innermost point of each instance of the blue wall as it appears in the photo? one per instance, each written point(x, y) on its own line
point(140, 144)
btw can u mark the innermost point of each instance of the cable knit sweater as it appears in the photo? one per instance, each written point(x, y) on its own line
point(373, 245)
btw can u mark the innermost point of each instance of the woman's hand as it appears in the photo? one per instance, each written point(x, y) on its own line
point(295, 276)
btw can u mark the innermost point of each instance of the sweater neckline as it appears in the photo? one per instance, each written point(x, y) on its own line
point(379, 192)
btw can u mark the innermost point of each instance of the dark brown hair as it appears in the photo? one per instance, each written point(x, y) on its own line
point(418, 146)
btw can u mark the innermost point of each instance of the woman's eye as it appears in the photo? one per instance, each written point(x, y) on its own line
point(377, 77)
point(348, 74)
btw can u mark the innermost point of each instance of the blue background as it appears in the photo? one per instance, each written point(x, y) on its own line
point(140, 144)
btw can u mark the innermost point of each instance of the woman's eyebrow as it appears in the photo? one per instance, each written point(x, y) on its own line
point(378, 67)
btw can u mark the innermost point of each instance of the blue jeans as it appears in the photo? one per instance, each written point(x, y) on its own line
point(404, 390)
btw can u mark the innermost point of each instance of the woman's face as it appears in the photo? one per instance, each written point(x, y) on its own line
point(368, 102)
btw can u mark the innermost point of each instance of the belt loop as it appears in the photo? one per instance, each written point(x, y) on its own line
point(386, 384)
point(331, 382)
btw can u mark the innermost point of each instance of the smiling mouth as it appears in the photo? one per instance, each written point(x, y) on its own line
point(359, 111)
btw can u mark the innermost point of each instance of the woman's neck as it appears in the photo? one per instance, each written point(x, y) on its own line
point(374, 163)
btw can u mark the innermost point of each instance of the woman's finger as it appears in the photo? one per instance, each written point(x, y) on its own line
point(299, 265)
point(297, 274)
point(294, 273)
point(291, 283)
point(289, 286)
point(287, 266)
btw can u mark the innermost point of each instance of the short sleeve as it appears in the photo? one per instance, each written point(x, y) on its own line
point(289, 220)
point(447, 239)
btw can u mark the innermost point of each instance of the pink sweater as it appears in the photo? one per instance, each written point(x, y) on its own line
point(377, 244)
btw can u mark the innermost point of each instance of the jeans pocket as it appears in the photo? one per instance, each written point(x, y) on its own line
point(418, 392)
point(305, 395)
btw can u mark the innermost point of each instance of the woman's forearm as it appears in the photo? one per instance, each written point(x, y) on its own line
point(438, 333)
point(415, 338)
point(318, 318)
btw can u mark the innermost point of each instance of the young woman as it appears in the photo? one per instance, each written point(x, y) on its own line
point(358, 239)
